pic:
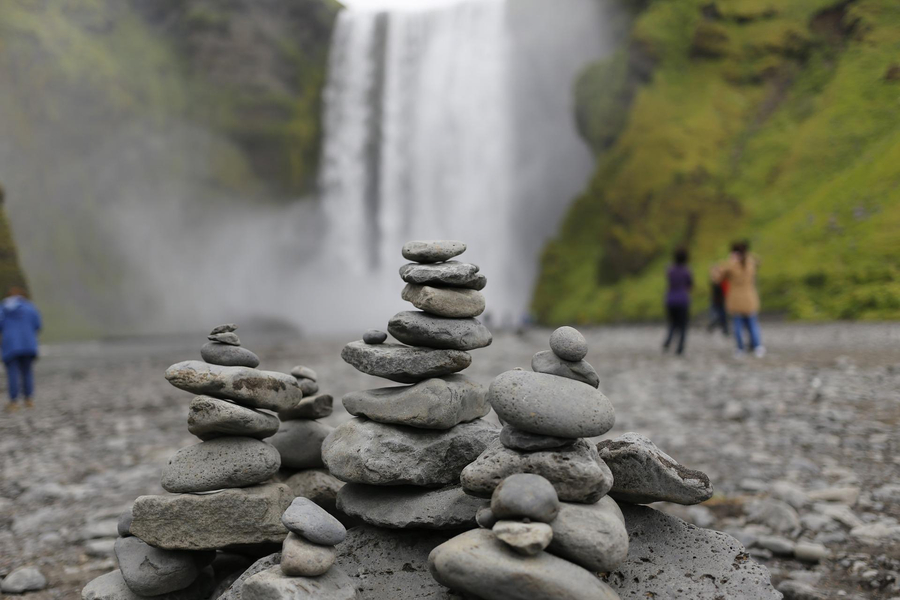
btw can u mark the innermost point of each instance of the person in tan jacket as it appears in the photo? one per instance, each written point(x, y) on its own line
point(742, 301)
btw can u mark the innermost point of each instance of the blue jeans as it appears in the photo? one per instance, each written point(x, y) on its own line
point(751, 322)
point(16, 369)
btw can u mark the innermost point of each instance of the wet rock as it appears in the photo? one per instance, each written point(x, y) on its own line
point(300, 558)
point(25, 579)
point(525, 496)
point(229, 462)
point(550, 364)
point(210, 418)
point(312, 407)
point(364, 451)
point(374, 336)
point(477, 563)
point(299, 443)
point(525, 538)
point(516, 439)
point(404, 364)
point(227, 355)
point(150, 571)
point(568, 344)
point(451, 274)
point(401, 507)
point(306, 518)
point(318, 485)
point(590, 535)
point(430, 404)
point(112, 586)
point(272, 584)
point(248, 387)
point(422, 329)
point(643, 473)
point(229, 338)
point(457, 303)
point(548, 405)
point(212, 521)
point(428, 252)
point(301, 372)
point(576, 472)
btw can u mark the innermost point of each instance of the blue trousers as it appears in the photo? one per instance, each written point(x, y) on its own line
point(751, 322)
point(19, 373)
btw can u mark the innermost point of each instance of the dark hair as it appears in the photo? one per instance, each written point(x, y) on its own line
point(681, 256)
point(741, 248)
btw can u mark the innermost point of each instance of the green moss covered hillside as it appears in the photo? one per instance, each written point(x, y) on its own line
point(774, 121)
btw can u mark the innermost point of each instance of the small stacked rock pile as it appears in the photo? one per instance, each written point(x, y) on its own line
point(220, 494)
point(402, 455)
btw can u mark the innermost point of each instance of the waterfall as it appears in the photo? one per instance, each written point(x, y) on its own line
point(453, 123)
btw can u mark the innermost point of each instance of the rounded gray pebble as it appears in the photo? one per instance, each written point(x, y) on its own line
point(227, 355)
point(228, 462)
point(485, 517)
point(301, 372)
point(308, 386)
point(374, 336)
point(525, 495)
point(312, 522)
point(568, 344)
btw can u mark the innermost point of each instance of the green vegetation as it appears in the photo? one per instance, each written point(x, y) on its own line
point(773, 121)
point(10, 270)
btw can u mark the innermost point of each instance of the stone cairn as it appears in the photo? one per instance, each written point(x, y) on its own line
point(402, 454)
point(221, 496)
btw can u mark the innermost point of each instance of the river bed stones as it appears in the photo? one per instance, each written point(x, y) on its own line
point(228, 355)
point(113, 586)
point(450, 274)
point(430, 404)
point(228, 462)
point(404, 507)
point(299, 443)
point(210, 418)
point(23, 580)
point(525, 496)
point(249, 387)
point(273, 584)
point(421, 329)
point(549, 363)
point(457, 303)
point(643, 473)
point(404, 364)
point(590, 535)
point(150, 571)
point(428, 252)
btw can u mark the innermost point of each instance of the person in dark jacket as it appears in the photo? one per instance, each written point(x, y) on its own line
point(718, 290)
point(678, 299)
point(20, 323)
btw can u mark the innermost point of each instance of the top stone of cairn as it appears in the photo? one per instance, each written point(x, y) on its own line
point(432, 251)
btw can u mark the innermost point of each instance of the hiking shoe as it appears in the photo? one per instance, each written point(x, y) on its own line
point(29, 403)
point(759, 351)
point(12, 407)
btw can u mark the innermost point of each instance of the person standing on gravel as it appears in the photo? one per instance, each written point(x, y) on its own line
point(20, 322)
point(678, 299)
point(742, 301)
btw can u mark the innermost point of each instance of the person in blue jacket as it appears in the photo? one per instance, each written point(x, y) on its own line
point(20, 323)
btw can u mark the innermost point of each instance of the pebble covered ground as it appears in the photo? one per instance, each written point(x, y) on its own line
point(802, 445)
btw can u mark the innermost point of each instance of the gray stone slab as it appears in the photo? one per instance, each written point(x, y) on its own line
point(210, 418)
point(404, 364)
point(551, 364)
point(432, 251)
point(228, 462)
point(456, 303)
point(447, 274)
point(403, 507)
point(248, 387)
point(418, 328)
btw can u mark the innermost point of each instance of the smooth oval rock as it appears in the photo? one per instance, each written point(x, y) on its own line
point(112, 586)
point(374, 336)
point(456, 303)
point(590, 535)
point(404, 364)
point(438, 403)
point(401, 506)
point(525, 496)
point(525, 538)
point(22, 580)
point(451, 274)
point(568, 344)
point(302, 558)
point(364, 451)
point(516, 439)
point(308, 386)
point(273, 584)
point(311, 407)
point(299, 443)
point(226, 355)
point(309, 520)
point(548, 405)
point(477, 563)
point(432, 251)
point(301, 372)
point(229, 462)
point(248, 387)
point(576, 472)
point(418, 328)
point(150, 571)
point(210, 418)
point(551, 364)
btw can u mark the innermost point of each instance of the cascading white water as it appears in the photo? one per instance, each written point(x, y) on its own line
point(453, 123)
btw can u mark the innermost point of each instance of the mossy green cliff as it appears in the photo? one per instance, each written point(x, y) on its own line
point(775, 121)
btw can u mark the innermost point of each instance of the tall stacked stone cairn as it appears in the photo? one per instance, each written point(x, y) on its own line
point(221, 496)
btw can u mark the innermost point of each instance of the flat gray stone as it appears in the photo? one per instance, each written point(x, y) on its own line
point(364, 451)
point(568, 344)
point(548, 405)
point(590, 535)
point(668, 558)
point(248, 387)
point(210, 418)
point(299, 443)
point(576, 472)
point(516, 439)
point(450, 274)
point(551, 364)
point(525, 538)
point(418, 328)
point(301, 372)
point(230, 338)
point(272, 584)
point(226, 328)
point(306, 518)
point(438, 403)
point(123, 526)
point(229, 462)
point(150, 571)
point(112, 586)
point(432, 251)
point(226, 355)
point(24, 579)
point(402, 507)
point(404, 364)
point(391, 564)
point(318, 485)
point(235, 591)
point(478, 563)
point(525, 496)
point(643, 473)
point(302, 558)
point(457, 303)
point(212, 521)
point(311, 407)
point(308, 386)
point(374, 336)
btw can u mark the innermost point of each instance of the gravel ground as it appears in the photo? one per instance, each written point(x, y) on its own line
point(802, 445)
